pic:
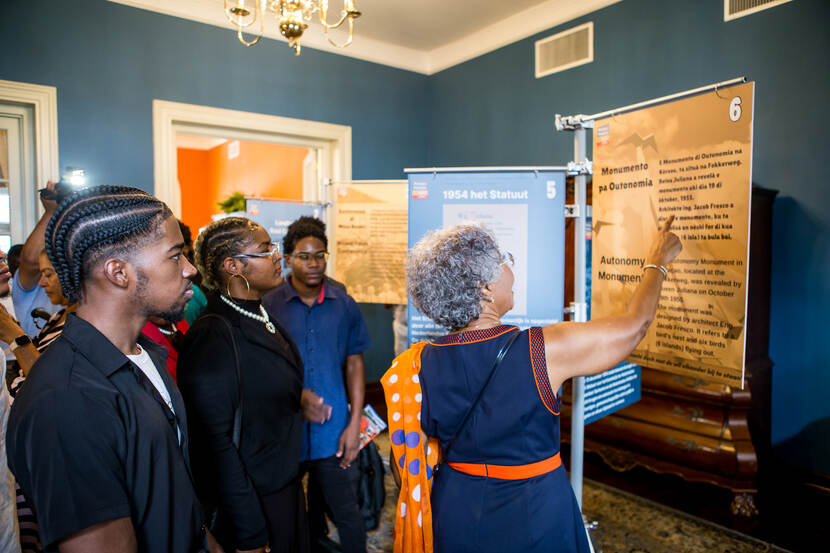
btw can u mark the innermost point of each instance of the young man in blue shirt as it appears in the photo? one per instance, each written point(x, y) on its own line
point(331, 335)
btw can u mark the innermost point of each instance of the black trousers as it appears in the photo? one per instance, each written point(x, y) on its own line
point(334, 490)
point(285, 515)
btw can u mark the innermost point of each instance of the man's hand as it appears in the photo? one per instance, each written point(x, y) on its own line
point(314, 409)
point(28, 273)
point(348, 445)
point(49, 205)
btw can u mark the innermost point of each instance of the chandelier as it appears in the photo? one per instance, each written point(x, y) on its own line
point(291, 15)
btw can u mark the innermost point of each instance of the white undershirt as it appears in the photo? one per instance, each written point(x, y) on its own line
point(145, 363)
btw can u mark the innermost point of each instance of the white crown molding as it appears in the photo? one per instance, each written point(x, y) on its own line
point(512, 29)
point(362, 48)
point(516, 27)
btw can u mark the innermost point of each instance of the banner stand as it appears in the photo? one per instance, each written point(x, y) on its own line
point(581, 167)
point(579, 307)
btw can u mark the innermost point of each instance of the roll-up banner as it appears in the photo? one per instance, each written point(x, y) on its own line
point(524, 207)
point(618, 387)
point(370, 235)
point(690, 158)
point(276, 215)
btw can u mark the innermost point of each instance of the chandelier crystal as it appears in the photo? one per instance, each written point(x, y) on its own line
point(292, 17)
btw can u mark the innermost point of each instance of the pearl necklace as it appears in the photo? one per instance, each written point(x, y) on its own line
point(262, 317)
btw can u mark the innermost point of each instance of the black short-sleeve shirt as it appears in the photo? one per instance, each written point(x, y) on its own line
point(89, 444)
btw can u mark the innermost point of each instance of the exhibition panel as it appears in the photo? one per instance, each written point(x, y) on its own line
point(525, 209)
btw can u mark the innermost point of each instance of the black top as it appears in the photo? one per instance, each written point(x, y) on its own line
point(272, 375)
point(89, 444)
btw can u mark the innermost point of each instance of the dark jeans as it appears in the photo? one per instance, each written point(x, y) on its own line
point(334, 490)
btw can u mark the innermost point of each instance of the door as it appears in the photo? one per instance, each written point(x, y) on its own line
point(17, 202)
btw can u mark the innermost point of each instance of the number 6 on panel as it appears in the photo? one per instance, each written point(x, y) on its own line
point(735, 108)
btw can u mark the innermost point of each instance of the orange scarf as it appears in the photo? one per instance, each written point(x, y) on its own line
point(413, 516)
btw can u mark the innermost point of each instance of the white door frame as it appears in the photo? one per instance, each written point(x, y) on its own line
point(16, 121)
point(333, 142)
point(44, 103)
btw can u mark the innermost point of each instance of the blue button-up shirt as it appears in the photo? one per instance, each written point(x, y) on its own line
point(325, 333)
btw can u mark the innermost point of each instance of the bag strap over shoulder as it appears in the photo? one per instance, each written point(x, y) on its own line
point(237, 413)
point(499, 358)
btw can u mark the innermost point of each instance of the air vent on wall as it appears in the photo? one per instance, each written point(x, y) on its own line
point(565, 50)
point(733, 9)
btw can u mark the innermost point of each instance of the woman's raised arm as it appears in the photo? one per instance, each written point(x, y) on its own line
point(578, 349)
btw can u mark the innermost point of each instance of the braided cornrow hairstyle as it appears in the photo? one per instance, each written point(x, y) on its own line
point(304, 227)
point(97, 222)
point(219, 240)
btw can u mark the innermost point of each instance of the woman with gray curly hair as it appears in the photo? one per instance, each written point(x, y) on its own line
point(483, 400)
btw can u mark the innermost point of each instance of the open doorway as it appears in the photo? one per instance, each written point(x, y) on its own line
point(212, 169)
point(330, 144)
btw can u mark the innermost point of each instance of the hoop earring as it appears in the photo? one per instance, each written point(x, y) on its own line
point(247, 284)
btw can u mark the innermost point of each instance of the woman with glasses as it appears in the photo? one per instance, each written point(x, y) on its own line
point(241, 377)
point(483, 401)
point(11, 332)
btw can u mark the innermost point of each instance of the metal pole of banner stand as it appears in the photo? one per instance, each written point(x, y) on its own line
point(580, 314)
point(662, 99)
point(325, 191)
point(580, 168)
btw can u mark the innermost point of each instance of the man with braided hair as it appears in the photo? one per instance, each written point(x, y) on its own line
point(98, 437)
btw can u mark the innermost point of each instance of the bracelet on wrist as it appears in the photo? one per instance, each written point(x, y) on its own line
point(660, 268)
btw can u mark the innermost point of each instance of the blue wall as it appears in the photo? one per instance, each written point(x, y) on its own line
point(109, 62)
point(492, 111)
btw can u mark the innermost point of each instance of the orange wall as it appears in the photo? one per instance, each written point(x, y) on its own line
point(196, 188)
point(260, 171)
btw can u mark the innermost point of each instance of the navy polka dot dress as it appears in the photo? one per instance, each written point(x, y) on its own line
point(515, 423)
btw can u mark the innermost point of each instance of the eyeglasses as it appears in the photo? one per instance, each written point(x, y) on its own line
point(273, 252)
point(305, 257)
point(507, 259)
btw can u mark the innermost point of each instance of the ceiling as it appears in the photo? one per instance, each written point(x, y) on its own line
point(425, 36)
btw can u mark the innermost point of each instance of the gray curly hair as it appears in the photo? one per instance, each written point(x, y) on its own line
point(446, 269)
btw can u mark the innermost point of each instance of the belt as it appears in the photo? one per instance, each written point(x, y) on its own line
point(509, 472)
